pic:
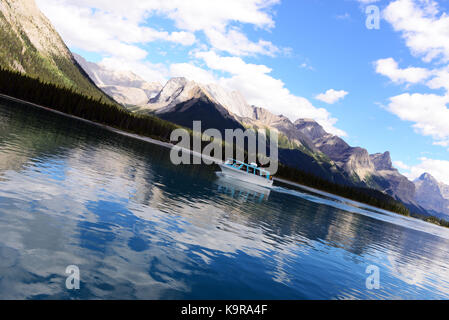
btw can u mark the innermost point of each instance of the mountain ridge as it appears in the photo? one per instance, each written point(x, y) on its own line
point(31, 45)
point(125, 87)
point(432, 194)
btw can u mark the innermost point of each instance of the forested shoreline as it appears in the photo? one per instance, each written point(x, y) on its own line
point(71, 102)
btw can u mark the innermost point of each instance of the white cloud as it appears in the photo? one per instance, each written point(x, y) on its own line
point(424, 28)
point(102, 26)
point(440, 80)
point(389, 68)
point(331, 96)
point(261, 89)
point(192, 72)
point(426, 32)
point(105, 32)
point(236, 43)
point(428, 112)
point(439, 169)
point(401, 165)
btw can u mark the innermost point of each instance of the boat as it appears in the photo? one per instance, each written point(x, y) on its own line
point(246, 172)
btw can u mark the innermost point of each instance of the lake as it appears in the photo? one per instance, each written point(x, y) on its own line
point(138, 227)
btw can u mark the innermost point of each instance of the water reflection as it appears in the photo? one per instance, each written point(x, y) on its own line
point(241, 190)
point(140, 227)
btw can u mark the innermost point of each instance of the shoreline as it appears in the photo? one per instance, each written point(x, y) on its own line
point(111, 129)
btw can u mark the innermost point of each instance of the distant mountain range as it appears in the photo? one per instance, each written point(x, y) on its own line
point(432, 195)
point(32, 46)
point(124, 87)
point(306, 144)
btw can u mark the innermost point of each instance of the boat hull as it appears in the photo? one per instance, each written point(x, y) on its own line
point(244, 176)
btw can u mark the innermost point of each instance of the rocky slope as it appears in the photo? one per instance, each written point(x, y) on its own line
point(124, 86)
point(179, 90)
point(432, 195)
point(374, 170)
point(29, 44)
point(261, 117)
point(354, 160)
point(182, 101)
point(389, 180)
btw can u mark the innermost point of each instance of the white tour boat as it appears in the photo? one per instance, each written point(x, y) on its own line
point(247, 172)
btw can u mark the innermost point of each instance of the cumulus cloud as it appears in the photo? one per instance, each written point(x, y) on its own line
point(101, 25)
point(261, 89)
point(422, 25)
point(389, 68)
point(331, 96)
point(192, 72)
point(401, 165)
point(236, 43)
point(440, 79)
point(103, 31)
point(426, 32)
point(428, 112)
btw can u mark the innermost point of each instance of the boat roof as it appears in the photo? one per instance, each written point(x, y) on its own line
point(251, 166)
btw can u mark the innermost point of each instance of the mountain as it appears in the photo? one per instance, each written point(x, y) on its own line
point(382, 161)
point(389, 180)
point(124, 86)
point(182, 101)
point(304, 144)
point(376, 170)
point(211, 114)
point(355, 161)
point(263, 118)
point(432, 195)
point(179, 90)
point(29, 44)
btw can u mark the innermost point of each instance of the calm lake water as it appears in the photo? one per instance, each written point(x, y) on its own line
point(139, 227)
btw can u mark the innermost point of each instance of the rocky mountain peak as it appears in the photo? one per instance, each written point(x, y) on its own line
point(427, 177)
point(382, 161)
point(432, 194)
point(233, 101)
point(312, 129)
point(176, 91)
point(25, 18)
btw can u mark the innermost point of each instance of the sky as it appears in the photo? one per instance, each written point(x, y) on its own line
point(382, 84)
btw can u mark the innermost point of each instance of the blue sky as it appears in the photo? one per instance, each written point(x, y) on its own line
point(389, 87)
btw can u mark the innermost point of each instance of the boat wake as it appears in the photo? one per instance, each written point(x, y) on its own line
point(359, 208)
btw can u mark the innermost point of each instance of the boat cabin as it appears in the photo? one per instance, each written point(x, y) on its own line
point(249, 168)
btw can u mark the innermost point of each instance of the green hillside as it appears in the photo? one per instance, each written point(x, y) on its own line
point(18, 53)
